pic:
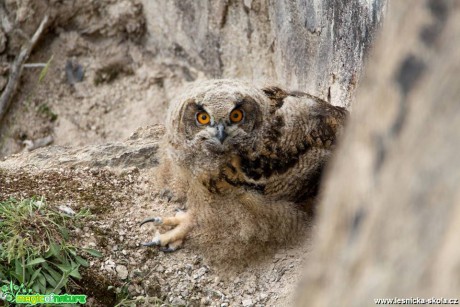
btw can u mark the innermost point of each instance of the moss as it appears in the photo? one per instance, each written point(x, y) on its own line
point(97, 190)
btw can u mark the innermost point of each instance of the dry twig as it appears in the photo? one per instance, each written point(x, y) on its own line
point(17, 67)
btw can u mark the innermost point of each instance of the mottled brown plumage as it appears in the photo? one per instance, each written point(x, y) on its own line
point(251, 172)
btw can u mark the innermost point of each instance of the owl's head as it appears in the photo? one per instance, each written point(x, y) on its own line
point(217, 117)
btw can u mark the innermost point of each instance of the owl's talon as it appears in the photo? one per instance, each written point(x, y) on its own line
point(172, 246)
point(155, 242)
point(168, 249)
point(155, 220)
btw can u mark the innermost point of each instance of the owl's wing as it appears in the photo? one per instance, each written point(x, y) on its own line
point(296, 146)
point(327, 122)
point(320, 122)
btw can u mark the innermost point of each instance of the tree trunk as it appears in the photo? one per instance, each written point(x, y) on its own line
point(389, 222)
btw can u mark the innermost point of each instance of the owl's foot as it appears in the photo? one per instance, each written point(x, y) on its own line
point(173, 239)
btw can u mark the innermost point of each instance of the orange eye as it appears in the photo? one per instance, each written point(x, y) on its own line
point(236, 116)
point(203, 118)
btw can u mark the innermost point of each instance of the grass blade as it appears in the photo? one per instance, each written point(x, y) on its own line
point(36, 261)
point(93, 252)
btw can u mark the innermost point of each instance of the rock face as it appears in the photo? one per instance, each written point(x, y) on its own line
point(139, 151)
point(393, 230)
point(317, 46)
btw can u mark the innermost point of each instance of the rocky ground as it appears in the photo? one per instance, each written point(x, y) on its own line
point(115, 182)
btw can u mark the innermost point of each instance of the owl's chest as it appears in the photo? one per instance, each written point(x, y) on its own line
point(230, 178)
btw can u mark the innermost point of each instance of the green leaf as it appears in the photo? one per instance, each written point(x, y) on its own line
point(64, 232)
point(36, 261)
point(53, 250)
point(72, 251)
point(50, 280)
point(18, 277)
point(34, 276)
point(82, 261)
point(42, 282)
point(56, 291)
point(45, 69)
point(64, 268)
point(18, 271)
point(61, 284)
point(52, 272)
point(75, 273)
point(93, 252)
point(36, 288)
point(41, 288)
point(29, 272)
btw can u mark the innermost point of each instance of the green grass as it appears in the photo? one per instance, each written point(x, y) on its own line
point(35, 250)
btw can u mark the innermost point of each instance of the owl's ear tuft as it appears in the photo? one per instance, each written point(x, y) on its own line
point(276, 96)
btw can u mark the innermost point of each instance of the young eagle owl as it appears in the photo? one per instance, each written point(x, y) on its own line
point(248, 160)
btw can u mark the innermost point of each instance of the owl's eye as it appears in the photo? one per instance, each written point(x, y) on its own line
point(236, 116)
point(203, 118)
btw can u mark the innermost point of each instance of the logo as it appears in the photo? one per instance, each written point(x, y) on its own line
point(21, 295)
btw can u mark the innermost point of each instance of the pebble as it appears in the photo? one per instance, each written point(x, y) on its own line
point(201, 271)
point(247, 303)
point(160, 269)
point(263, 295)
point(109, 265)
point(205, 301)
point(122, 271)
point(178, 301)
point(67, 210)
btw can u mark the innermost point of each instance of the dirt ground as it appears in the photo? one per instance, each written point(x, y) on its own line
point(125, 84)
point(118, 201)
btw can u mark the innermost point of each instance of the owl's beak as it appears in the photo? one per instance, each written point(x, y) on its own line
point(221, 135)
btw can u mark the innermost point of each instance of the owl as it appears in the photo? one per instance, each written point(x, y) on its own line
point(248, 164)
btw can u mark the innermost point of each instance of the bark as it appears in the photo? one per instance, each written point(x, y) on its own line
point(316, 46)
point(389, 222)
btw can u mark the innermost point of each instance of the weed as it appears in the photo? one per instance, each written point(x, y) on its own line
point(34, 246)
point(46, 111)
